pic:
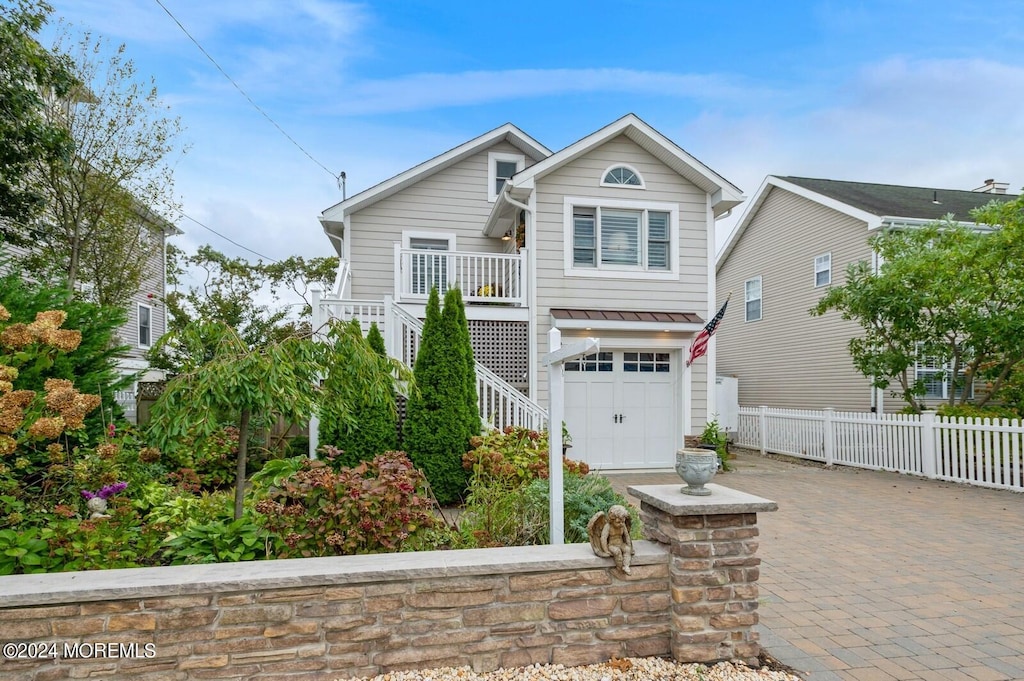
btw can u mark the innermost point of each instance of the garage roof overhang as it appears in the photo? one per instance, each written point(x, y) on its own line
point(626, 320)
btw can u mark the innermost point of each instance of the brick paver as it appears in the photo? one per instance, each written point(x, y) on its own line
point(874, 575)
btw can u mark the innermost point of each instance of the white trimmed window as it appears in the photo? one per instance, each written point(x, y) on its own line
point(620, 175)
point(936, 376)
point(752, 299)
point(620, 238)
point(501, 167)
point(427, 265)
point(823, 270)
point(145, 326)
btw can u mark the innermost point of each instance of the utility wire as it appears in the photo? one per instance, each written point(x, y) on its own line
point(256, 106)
point(226, 238)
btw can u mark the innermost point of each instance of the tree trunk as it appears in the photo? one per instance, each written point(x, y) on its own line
point(243, 452)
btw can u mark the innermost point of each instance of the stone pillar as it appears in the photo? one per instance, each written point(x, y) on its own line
point(713, 570)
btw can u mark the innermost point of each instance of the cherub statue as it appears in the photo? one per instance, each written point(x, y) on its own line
point(609, 536)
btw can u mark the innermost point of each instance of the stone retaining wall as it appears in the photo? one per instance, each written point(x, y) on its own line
point(336, 617)
point(692, 594)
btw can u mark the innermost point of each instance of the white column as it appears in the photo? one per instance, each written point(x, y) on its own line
point(763, 420)
point(556, 411)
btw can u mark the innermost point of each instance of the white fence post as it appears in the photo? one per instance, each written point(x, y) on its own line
point(763, 419)
point(929, 460)
point(391, 330)
point(830, 437)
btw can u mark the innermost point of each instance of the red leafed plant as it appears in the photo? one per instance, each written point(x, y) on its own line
point(373, 507)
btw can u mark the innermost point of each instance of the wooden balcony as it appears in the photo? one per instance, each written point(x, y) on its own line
point(483, 278)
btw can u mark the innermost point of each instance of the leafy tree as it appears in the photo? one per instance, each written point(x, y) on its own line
point(275, 380)
point(435, 432)
point(454, 314)
point(367, 426)
point(92, 365)
point(236, 293)
point(27, 138)
point(106, 199)
point(945, 291)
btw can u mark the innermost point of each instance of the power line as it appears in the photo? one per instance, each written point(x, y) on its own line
point(247, 97)
point(227, 238)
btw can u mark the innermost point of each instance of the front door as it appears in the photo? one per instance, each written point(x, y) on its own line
point(620, 408)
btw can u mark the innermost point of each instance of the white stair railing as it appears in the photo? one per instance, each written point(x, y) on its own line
point(501, 404)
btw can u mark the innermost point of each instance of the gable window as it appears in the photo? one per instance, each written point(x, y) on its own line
point(620, 237)
point(500, 168)
point(752, 299)
point(622, 176)
point(145, 326)
point(823, 270)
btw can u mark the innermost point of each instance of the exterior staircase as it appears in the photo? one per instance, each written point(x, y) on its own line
point(501, 404)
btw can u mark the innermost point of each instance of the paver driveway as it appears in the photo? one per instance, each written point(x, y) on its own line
point(871, 576)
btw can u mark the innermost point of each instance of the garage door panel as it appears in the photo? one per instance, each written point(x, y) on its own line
point(627, 417)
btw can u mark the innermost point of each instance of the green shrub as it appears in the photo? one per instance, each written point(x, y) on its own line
point(219, 541)
point(584, 496)
point(370, 508)
point(435, 432)
point(971, 411)
point(368, 425)
point(714, 435)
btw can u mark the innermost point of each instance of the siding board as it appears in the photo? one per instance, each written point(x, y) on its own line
point(789, 358)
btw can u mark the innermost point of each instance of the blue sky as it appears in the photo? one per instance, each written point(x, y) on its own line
point(911, 92)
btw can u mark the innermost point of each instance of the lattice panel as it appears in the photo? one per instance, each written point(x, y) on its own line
point(501, 347)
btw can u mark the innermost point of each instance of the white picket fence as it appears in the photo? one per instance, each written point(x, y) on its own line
point(984, 452)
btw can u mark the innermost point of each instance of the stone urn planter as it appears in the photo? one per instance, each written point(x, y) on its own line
point(696, 467)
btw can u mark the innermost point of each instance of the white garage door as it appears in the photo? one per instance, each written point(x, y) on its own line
point(620, 408)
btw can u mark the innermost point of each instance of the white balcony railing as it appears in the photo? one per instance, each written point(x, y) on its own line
point(482, 277)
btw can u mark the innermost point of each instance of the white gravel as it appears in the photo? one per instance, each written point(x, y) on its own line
point(628, 669)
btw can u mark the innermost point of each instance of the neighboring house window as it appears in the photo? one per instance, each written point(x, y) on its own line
point(620, 238)
point(936, 377)
point(145, 326)
point(501, 167)
point(425, 264)
point(823, 270)
point(752, 298)
point(622, 176)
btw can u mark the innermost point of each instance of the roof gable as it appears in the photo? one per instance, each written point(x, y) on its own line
point(508, 133)
point(874, 204)
point(724, 194)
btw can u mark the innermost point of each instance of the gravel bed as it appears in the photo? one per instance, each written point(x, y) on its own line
point(628, 669)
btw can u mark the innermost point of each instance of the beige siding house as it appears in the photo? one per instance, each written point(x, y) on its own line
point(795, 239)
point(611, 237)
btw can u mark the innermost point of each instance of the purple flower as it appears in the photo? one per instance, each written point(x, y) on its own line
point(106, 492)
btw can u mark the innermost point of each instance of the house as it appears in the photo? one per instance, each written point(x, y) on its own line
point(795, 239)
point(611, 237)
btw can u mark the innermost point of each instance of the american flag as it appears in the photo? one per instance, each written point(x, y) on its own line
point(700, 343)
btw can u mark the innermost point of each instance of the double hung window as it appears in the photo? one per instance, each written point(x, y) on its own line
point(752, 299)
point(620, 237)
point(145, 326)
point(823, 270)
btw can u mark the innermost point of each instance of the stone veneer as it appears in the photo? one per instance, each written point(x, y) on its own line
point(714, 573)
point(323, 618)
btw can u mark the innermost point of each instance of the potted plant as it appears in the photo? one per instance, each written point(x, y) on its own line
point(716, 439)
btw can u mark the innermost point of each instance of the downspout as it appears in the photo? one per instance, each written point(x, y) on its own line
point(531, 324)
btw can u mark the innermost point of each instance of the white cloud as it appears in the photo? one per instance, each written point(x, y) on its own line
point(423, 91)
point(940, 123)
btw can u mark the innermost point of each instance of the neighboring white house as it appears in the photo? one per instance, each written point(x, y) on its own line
point(611, 237)
point(795, 239)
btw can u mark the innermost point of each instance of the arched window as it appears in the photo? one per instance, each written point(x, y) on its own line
point(622, 176)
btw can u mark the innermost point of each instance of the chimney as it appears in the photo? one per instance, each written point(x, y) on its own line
point(990, 186)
